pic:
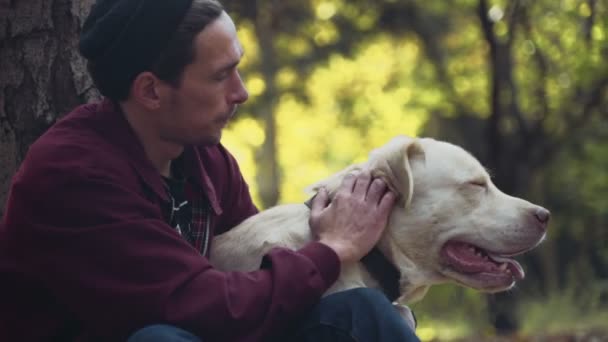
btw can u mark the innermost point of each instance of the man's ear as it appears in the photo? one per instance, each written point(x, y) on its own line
point(392, 162)
point(147, 89)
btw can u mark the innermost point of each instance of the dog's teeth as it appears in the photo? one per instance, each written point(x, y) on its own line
point(503, 267)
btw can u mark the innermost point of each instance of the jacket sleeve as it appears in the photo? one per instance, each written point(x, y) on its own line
point(103, 251)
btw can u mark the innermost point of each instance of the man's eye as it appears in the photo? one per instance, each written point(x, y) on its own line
point(222, 76)
point(225, 74)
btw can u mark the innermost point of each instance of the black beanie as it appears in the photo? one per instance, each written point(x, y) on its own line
point(125, 37)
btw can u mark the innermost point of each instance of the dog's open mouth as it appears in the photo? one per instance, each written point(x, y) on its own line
point(474, 261)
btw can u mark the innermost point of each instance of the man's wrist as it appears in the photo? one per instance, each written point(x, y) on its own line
point(326, 259)
point(341, 250)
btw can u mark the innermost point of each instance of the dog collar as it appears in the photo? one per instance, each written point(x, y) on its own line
point(385, 273)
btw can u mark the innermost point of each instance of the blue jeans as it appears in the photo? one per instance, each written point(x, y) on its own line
point(358, 315)
point(162, 333)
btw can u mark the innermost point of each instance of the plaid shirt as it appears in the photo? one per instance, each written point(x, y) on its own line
point(188, 211)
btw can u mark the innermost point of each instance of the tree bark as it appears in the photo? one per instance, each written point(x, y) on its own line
point(268, 172)
point(42, 76)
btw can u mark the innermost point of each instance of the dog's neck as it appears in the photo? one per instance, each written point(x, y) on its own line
point(412, 286)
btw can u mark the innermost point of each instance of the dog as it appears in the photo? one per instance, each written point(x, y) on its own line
point(449, 224)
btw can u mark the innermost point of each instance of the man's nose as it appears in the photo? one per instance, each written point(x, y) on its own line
point(239, 94)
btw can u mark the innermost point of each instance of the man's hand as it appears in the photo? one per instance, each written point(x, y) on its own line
point(356, 217)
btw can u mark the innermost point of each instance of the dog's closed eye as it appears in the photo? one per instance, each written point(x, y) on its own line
point(479, 182)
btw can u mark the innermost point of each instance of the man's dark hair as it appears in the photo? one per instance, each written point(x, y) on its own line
point(169, 65)
point(181, 50)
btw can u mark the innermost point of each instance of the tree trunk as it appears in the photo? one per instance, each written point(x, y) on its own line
point(42, 76)
point(268, 174)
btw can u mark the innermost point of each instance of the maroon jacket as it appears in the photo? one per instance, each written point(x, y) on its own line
point(85, 253)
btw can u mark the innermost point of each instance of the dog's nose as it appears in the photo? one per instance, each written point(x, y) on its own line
point(542, 215)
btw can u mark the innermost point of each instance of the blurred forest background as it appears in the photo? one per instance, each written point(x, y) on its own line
point(522, 84)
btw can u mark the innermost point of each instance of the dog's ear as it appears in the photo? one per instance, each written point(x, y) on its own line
point(392, 162)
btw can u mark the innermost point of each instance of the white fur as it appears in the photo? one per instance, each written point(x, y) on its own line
point(438, 203)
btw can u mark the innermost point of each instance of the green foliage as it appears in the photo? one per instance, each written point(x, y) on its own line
point(570, 310)
point(449, 312)
point(353, 105)
point(352, 74)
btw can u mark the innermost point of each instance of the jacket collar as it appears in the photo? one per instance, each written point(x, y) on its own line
point(115, 126)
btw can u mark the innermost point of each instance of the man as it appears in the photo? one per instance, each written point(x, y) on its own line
point(111, 214)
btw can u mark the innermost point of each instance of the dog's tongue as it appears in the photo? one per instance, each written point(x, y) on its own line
point(468, 259)
point(465, 259)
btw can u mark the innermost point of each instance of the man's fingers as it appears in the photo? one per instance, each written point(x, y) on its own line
point(319, 202)
point(376, 190)
point(348, 182)
point(362, 183)
point(387, 202)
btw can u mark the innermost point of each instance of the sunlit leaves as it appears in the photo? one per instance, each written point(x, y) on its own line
point(584, 10)
point(466, 56)
point(599, 33)
point(255, 85)
point(246, 35)
point(389, 86)
point(294, 45)
point(325, 10)
point(325, 33)
point(496, 13)
point(364, 18)
point(243, 137)
point(286, 78)
point(320, 133)
point(345, 87)
point(354, 105)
